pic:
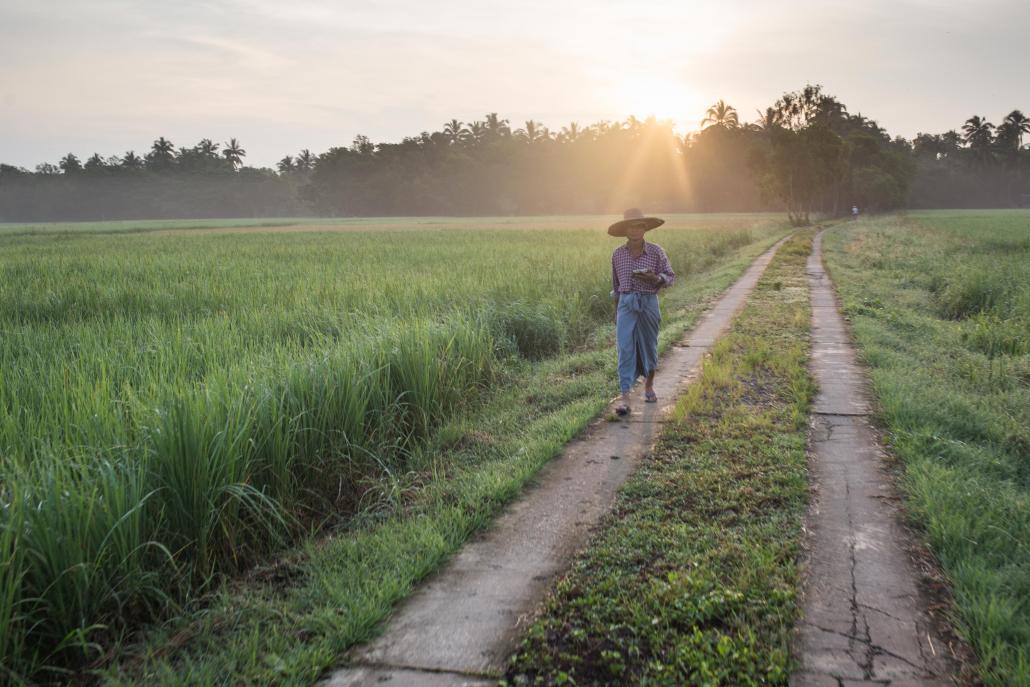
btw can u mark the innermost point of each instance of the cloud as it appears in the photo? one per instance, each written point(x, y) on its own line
point(113, 74)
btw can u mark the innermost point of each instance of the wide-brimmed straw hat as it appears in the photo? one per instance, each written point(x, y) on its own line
point(633, 218)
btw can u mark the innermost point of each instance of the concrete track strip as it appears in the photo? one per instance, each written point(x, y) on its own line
point(460, 626)
point(865, 620)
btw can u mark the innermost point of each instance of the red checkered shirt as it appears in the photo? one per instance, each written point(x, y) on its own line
point(653, 258)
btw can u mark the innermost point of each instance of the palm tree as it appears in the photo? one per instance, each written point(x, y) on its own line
point(477, 132)
point(94, 163)
point(207, 148)
point(977, 134)
point(234, 153)
point(604, 127)
point(70, 164)
point(286, 165)
point(132, 161)
point(1015, 125)
point(721, 114)
point(305, 160)
point(532, 133)
point(769, 120)
point(570, 133)
point(455, 132)
point(496, 126)
point(163, 146)
point(162, 154)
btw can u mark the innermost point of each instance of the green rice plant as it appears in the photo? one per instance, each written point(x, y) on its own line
point(85, 548)
point(205, 495)
point(173, 407)
point(13, 657)
point(533, 331)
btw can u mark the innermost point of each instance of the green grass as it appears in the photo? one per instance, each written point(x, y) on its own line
point(336, 591)
point(940, 308)
point(692, 578)
point(174, 408)
point(132, 226)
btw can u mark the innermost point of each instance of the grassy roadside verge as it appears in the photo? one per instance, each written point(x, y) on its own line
point(940, 309)
point(691, 579)
point(288, 622)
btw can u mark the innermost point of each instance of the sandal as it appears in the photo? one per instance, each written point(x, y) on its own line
point(650, 397)
point(622, 410)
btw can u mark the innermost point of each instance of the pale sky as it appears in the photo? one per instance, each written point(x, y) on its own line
point(107, 76)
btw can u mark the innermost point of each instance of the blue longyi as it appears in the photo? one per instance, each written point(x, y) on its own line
point(636, 335)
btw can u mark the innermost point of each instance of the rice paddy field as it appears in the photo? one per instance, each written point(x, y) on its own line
point(180, 400)
point(940, 308)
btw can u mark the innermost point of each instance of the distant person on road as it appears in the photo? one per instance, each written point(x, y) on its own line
point(639, 269)
point(854, 212)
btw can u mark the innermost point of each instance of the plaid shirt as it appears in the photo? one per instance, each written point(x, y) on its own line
point(653, 258)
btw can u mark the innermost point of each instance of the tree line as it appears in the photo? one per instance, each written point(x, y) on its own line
point(805, 153)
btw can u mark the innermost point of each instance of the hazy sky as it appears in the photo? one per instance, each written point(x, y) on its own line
point(111, 75)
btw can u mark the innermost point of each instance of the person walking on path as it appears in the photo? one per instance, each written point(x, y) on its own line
point(639, 270)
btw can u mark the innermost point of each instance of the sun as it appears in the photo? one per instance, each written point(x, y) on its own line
point(664, 98)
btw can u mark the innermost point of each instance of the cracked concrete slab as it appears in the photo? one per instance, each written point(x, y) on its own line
point(387, 676)
point(463, 623)
point(865, 618)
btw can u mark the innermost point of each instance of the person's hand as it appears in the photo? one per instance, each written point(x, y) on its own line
point(649, 278)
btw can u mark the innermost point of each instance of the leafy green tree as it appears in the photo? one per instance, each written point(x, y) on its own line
point(810, 106)
point(363, 146)
point(8, 172)
point(801, 167)
point(928, 145)
point(807, 163)
point(952, 140)
point(875, 189)
point(70, 164)
point(286, 165)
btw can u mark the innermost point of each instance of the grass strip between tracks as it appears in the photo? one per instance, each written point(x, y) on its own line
point(290, 621)
point(692, 578)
